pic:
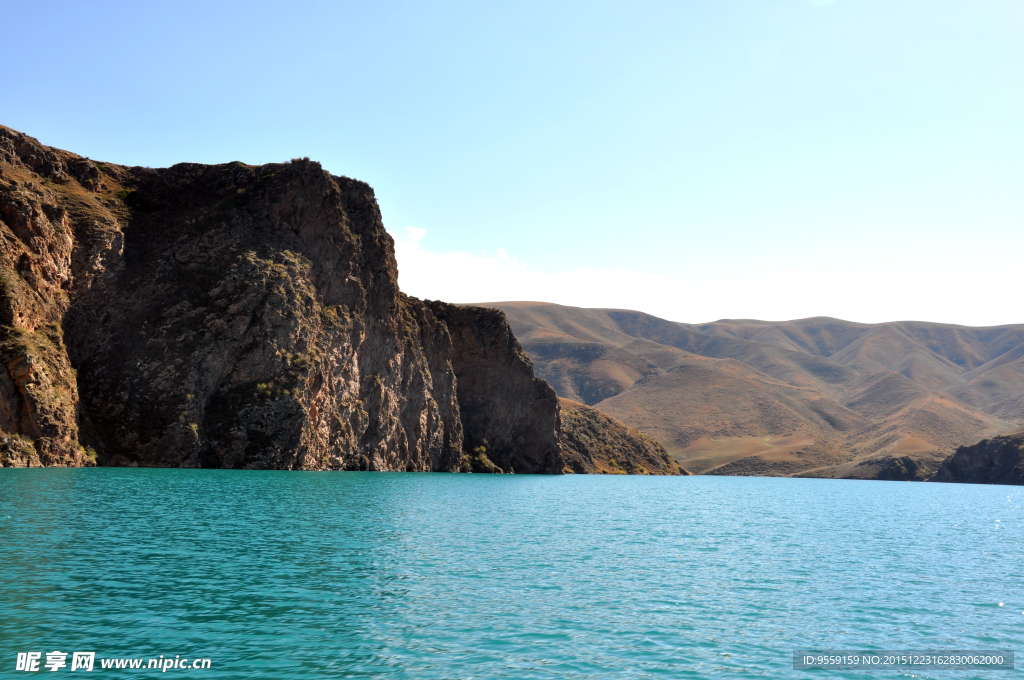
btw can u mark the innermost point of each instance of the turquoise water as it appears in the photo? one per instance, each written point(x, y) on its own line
point(353, 575)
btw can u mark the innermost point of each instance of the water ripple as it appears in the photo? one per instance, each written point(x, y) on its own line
point(368, 575)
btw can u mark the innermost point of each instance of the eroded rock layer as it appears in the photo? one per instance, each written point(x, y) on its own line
point(235, 316)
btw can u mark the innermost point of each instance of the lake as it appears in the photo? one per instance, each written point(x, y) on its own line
point(405, 575)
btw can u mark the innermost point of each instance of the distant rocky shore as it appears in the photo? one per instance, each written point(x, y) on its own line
point(999, 460)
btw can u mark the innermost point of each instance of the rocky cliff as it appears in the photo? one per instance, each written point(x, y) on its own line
point(999, 460)
point(595, 443)
point(237, 316)
point(508, 414)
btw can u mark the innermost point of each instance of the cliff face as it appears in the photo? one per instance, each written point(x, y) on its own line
point(999, 460)
point(507, 413)
point(595, 443)
point(235, 316)
point(38, 390)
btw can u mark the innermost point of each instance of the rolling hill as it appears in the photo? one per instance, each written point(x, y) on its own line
point(810, 397)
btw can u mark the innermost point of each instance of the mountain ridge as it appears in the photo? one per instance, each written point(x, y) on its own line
point(849, 398)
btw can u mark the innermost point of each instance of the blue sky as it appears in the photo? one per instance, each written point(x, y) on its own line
point(698, 160)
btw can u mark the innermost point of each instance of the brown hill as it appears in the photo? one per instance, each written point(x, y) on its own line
point(717, 410)
point(595, 443)
point(997, 387)
point(819, 396)
point(889, 348)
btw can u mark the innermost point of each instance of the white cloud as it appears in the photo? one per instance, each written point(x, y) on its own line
point(883, 290)
point(492, 277)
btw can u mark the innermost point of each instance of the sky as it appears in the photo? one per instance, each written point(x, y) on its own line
point(771, 159)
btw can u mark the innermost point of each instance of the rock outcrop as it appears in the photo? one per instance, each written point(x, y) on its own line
point(999, 460)
point(895, 468)
point(508, 414)
point(238, 316)
point(595, 443)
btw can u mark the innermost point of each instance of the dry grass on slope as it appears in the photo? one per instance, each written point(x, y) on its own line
point(705, 400)
point(999, 391)
point(586, 371)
